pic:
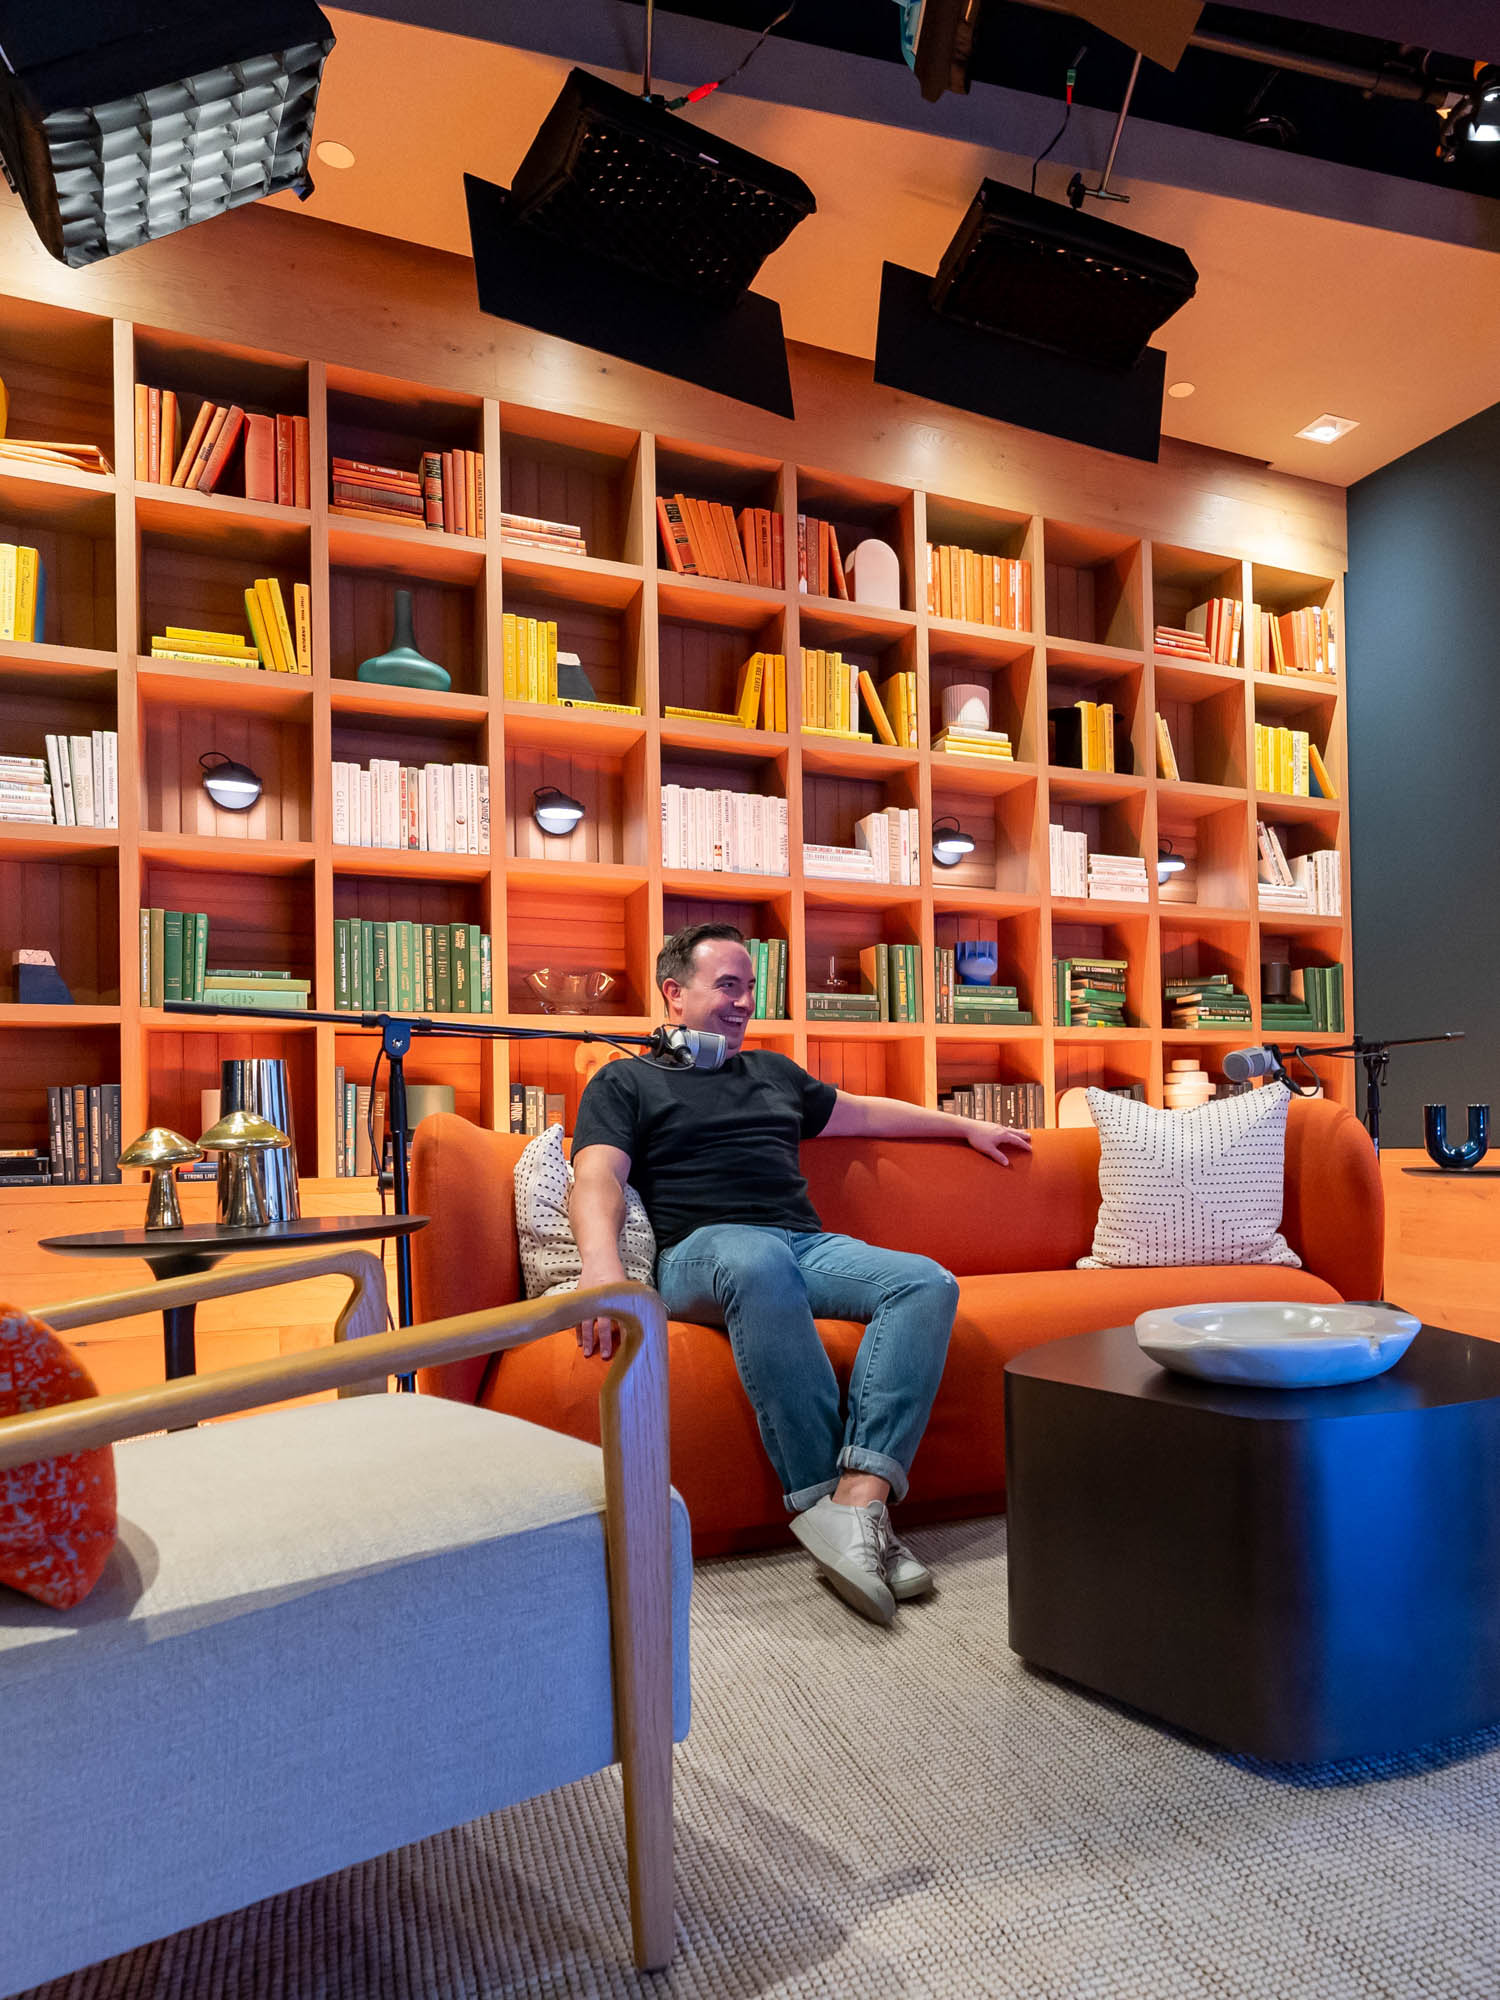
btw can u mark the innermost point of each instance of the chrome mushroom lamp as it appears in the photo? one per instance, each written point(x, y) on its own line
point(242, 1137)
point(161, 1151)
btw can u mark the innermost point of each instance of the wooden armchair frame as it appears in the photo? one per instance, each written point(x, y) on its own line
point(633, 1428)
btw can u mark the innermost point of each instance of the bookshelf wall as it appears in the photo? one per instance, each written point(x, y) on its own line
point(124, 558)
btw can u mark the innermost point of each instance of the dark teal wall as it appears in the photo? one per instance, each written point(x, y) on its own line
point(1423, 607)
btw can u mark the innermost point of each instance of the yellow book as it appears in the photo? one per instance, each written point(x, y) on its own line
point(249, 661)
point(781, 693)
point(1107, 735)
point(26, 567)
point(1166, 754)
point(549, 661)
point(1319, 771)
point(278, 660)
point(508, 653)
point(258, 629)
point(284, 637)
point(768, 693)
point(7, 590)
point(1260, 758)
point(747, 693)
point(849, 735)
point(1284, 780)
point(532, 680)
point(228, 641)
point(611, 707)
point(198, 650)
point(1086, 735)
point(706, 715)
point(874, 707)
point(302, 610)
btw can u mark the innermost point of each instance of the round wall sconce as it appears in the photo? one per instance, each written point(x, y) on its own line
point(233, 786)
point(1168, 863)
point(555, 812)
point(950, 843)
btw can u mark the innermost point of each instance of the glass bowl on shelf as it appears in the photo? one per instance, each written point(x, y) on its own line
point(563, 992)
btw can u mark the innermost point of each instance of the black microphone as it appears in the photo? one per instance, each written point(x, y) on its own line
point(1242, 1064)
point(687, 1048)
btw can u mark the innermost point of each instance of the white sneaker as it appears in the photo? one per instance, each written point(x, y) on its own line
point(906, 1575)
point(850, 1546)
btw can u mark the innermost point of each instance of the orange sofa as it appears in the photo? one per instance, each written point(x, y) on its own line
point(1011, 1238)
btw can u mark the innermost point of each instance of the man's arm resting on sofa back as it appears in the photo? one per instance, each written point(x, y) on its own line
point(596, 1210)
point(892, 1118)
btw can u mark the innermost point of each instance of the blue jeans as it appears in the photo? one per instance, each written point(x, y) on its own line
point(765, 1287)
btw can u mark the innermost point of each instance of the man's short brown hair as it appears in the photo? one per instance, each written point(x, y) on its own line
point(675, 959)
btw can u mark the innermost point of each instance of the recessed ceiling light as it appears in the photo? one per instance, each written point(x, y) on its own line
point(1327, 429)
point(1181, 388)
point(332, 154)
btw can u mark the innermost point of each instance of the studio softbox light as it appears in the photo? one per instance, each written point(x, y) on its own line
point(124, 120)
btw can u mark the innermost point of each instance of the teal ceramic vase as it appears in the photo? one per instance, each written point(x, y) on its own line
point(401, 665)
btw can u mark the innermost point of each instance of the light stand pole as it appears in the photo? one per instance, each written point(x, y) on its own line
point(396, 1031)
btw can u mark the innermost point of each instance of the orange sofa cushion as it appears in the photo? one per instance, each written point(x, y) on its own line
point(57, 1517)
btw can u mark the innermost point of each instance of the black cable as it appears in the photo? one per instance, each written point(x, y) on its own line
point(378, 1165)
point(1072, 78)
point(707, 89)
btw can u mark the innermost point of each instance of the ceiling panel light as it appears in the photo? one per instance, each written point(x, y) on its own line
point(1327, 429)
point(329, 153)
point(115, 130)
point(1181, 389)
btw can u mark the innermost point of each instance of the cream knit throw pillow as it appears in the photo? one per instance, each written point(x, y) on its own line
point(549, 1256)
point(1191, 1187)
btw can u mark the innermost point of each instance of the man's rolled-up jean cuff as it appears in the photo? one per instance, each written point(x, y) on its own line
point(854, 1458)
point(808, 1496)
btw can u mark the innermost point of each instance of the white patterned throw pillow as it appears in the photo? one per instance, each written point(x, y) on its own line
point(1203, 1186)
point(549, 1257)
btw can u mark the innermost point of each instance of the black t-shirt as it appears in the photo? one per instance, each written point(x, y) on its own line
point(710, 1145)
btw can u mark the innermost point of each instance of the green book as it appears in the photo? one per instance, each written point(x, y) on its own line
point(366, 965)
point(429, 965)
point(458, 936)
point(260, 996)
point(145, 957)
point(189, 951)
point(158, 955)
point(404, 988)
point(382, 967)
point(476, 994)
point(442, 961)
point(200, 955)
point(781, 1012)
point(171, 988)
point(486, 974)
point(341, 988)
point(759, 958)
point(226, 975)
point(914, 976)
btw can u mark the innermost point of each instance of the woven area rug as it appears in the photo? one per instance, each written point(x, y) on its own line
point(871, 1815)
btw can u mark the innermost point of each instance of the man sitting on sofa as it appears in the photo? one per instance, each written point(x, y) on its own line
point(713, 1154)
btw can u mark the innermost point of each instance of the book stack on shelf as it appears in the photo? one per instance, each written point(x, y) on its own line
point(23, 592)
point(84, 776)
point(533, 1109)
point(959, 739)
point(1082, 738)
point(174, 955)
point(1211, 634)
point(25, 791)
point(1118, 878)
point(432, 808)
point(820, 568)
point(530, 531)
point(1316, 1005)
point(66, 457)
point(1299, 884)
point(446, 491)
point(890, 973)
point(759, 697)
point(528, 652)
point(830, 695)
point(356, 1110)
point(1089, 992)
point(703, 538)
point(1212, 1001)
point(740, 833)
point(1294, 642)
point(1166, 751)
point(25, 1166)
point(401, 966)
point(978, 588)
point(83, 1134)
point(1068, 860)
point(277, 450)
point(1022, 1106)
point(961, 1005)
point(278, 644)
point(768, 960)
point(1283, 761)
point(891, 837)
point(231, 988)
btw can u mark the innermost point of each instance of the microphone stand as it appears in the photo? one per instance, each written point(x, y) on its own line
point(396, 1031)
point(1376, 1057)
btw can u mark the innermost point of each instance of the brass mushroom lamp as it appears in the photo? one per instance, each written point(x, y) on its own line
point(242, 1136)
point(161, 1150)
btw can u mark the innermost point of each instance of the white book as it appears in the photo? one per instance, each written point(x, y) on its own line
point(477, 845)
point(390, 803)
point(81, 758)
point(340, 805)
point(785, 825)
point(424, 811)
point(112, 777)
point(482, 782)
point(432, 822)
point(459, 838)
point(65, 765)
point(55, 762)
point(449, 806)
point(366, 809)
point(96, 771)
point(144, 955)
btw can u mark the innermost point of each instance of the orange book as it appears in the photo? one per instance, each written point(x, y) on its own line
point(195, 437)
point(223, 445)
point(750, 543)
point(460, 510)
point(739, 570)
point(167, 455)
point(301, 462)
point(674, 536)
point(284, 485)
point(206, 445)
point(479, 491)
point(721, 563)
point(698, 537)
point(262, 481)
point(142, 430)
point(471, 504)
point(153, 432)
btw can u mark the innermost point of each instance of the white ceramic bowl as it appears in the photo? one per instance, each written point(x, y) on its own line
point(1272, 1344)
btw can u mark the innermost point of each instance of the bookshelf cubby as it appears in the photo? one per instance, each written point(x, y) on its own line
point(124, 558)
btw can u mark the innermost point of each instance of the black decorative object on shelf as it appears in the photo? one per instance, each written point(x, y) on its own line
point(573, 684)
point(1456, 1159)
point(232, 786)
point(38, 981)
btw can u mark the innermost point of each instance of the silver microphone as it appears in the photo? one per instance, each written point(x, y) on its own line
point(1242, 1064)
point(688, 1048)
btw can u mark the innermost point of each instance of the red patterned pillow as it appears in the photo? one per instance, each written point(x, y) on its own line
point(57, 1517)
